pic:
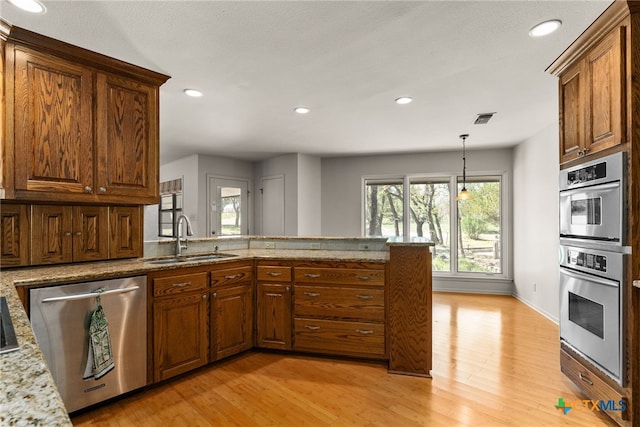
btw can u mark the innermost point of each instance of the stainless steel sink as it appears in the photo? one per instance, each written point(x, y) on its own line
point(8, 341)
point(192, 258)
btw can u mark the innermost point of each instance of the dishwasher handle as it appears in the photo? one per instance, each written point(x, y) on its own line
point(91, 294)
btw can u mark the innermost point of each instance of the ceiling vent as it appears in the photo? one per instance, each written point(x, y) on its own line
point(483, 118)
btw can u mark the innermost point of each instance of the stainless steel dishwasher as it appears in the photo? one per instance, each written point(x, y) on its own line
point(61, 317)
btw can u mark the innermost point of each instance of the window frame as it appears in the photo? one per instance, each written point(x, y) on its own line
point(454, 178)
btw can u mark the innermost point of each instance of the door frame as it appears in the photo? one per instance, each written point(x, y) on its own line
point(211, 185)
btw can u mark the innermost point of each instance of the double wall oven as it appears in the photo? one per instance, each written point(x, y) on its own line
point(592, 262)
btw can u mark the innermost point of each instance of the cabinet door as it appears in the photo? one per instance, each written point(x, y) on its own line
point(571, 113)
point(90, 233)
point(52, 119)
point(605, 112)
point(179, 334)
point(125, 232)
point(231, 321)
point(51, 234)
point(273, 323)
point(127, 140)
point(15, 235)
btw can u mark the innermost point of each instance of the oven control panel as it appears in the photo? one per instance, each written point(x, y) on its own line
point(585, 259)
point(587, 174)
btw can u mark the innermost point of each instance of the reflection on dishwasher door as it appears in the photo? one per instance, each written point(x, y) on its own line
point(93, 336)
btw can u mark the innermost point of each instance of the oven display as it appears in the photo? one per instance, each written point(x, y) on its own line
point(589, 173)
point(587, 260)
point(586, 211)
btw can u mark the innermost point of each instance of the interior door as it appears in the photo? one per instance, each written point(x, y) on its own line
point(228, 207)
point(272, 189)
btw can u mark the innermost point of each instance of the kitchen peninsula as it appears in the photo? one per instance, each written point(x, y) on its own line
point(397, 270)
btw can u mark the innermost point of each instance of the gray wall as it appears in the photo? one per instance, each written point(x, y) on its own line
point(309, 195)
point(535, 205)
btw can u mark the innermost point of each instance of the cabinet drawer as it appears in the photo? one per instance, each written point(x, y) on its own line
point(339, 276)
point(231, 275)
point(273, 273)
point(594, 387)
point(336, 337)
point(179, 284)
point(327, 301)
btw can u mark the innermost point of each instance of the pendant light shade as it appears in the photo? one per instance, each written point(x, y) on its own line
point(464, 194)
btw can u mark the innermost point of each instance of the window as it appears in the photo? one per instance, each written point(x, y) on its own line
point(429, 206)
point(170, 207)
point(479, 227)
point(467, 234)
point(384, 208)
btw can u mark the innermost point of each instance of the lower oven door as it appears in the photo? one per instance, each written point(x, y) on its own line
point(590, 320)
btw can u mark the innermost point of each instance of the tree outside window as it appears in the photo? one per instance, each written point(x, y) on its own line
point(429, 210)
point(384, 208)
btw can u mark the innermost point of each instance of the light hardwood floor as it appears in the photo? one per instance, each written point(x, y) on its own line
point(496, 363)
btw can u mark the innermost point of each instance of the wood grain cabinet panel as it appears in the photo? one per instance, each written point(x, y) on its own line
point(14, 220)
point(340, 302)
point(593, 99)
point(125, 231)
point(231, 320)
point(273, 306)
point(52, 120)
point(338, 337)
point(52, 234)
point(90, 233)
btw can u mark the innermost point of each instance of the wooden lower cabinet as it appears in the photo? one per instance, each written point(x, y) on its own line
point(180, 323)
point(339, 309)
point(273, 306)
point(231, 320)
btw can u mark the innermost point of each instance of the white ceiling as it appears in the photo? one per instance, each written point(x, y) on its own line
point(346, 60)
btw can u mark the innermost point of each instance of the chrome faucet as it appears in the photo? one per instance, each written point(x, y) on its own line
point(179, 245)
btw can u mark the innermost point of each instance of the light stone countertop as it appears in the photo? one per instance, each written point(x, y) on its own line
point(29, 395)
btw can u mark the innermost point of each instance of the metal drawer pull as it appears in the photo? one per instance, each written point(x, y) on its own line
point(585, 379)
point(312, 294)
point(313, 328)
point(272, 274)
point(311, 275)
point(365, 296)
point(364, 331)
point(181, 285)
point(231, 276)
point(364, 277)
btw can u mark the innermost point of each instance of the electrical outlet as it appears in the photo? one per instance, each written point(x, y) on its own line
point(270, 245)
point(314, 246)
point(363, 247)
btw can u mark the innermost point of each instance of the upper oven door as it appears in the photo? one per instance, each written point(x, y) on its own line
point(592, 213)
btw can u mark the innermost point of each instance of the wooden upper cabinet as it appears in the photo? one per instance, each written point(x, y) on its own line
point(90, 233)
point(125, 232)
point(593, 98)
point(80, 127)
point(127, 135)
point(14, 250)
point(52, 234)
point(52, 119)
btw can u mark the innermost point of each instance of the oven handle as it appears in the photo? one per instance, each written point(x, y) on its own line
point(608, 186)
point(583, 276)
point(90, 295)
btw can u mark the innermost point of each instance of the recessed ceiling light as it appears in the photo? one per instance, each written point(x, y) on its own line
point(33, 6)
point(193, 93)
point(302, 110)
point(403, 100)
point(544, 28)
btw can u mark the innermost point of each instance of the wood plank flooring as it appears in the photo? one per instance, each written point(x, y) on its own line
point(496, 363)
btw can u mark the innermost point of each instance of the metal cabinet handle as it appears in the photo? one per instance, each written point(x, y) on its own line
point(364, 277)
point(180, 285)
point(311, 275)
point(287, 288)
point(231, 276)
point(88, 189)
point(204, 296)
point(274, 274)
point(312, 328)
point(364, 331)
point(91, 294)
point(364, 296)
point(102, 189)
point(78, 233)
point(214, 295)
point(68, 233)
point(585, 378)
point(312, 294)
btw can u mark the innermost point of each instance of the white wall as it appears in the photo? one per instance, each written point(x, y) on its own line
point(309, 195)
point(535, 206)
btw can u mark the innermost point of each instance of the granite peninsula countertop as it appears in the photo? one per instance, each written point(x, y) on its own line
point(29, 395)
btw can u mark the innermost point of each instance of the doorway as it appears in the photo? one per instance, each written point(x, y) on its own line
point(228, 205)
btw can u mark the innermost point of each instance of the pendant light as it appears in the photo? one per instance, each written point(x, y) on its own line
point(464, 194)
